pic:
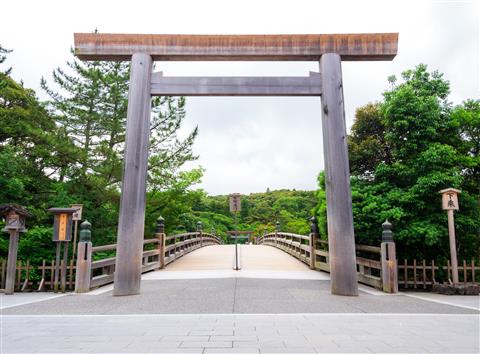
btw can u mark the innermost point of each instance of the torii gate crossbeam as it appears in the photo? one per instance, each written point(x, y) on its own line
point(328, 49)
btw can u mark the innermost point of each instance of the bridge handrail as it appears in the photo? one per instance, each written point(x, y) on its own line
point(166, 250)
point(313, 251)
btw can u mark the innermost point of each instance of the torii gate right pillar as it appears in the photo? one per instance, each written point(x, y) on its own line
point(341, 241)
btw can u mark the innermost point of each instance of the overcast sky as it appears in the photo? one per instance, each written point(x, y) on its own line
point(248, 144)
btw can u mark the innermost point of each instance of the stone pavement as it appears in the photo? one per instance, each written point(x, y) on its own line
point(232, 295)
point(234, 333)
point(263, 308)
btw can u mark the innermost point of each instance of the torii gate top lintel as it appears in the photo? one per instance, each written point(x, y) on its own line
point(291, 47)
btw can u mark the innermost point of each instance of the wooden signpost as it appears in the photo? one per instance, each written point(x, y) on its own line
point(62, 234)
point(235, 203)
point(76, 217)
point(327, 49)
point(15, 217)
point(450, 203)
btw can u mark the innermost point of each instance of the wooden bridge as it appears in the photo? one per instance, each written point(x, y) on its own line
point(276, 251)
point(251, 257)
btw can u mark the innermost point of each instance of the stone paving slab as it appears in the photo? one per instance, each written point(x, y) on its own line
point(233, 295)
point(307, 333)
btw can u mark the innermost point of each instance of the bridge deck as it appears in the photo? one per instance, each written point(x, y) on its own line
point(252, 258)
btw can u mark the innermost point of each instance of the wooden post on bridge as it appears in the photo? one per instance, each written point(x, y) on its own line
point(341, 242)
point(128, 269)
point(389, 260)
point(83, 270)
point(313, 241)
point(200, 232)
point(160, 234)
point(277, 230)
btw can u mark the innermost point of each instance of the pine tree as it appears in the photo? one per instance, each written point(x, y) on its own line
point(3, 57)
point(79, 112)
point(92, 109)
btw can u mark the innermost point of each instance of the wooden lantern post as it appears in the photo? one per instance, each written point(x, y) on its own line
point(450, 203)
point(15, 217)
point(62, 233)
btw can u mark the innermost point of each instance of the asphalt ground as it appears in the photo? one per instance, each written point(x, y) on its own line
point(232, 296)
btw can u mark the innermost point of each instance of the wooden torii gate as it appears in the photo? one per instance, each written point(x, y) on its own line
point(328, 49)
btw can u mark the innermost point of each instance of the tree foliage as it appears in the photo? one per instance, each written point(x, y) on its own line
point(70, 150)
point(259, 211)
point(405, 149)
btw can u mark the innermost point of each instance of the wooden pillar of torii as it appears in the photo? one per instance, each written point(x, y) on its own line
point(329, 50)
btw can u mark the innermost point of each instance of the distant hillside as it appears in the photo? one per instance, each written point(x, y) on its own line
point(259, 213)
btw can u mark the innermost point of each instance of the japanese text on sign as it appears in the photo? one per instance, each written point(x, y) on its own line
point(450, 201)
point(235, 203)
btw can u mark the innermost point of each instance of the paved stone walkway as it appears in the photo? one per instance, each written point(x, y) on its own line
point(296, 333)
point(232, 295)
point(264, 308)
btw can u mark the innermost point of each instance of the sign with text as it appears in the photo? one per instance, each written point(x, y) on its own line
point(77, 215)
point(235, 203)
point(62, 227)
point(450, 199)
point(62, 224)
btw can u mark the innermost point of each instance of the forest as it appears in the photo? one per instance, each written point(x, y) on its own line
point(68, 149)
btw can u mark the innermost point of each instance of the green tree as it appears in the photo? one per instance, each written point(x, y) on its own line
point(366, 143)
point(92, 108)
point(32, 147)
point(32, 150)
point(90, 102)
point(466, 118)
point(421, 146)
point(3, 57)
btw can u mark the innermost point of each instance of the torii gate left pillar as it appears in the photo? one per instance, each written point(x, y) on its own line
point(330, 50)
point(128, 266)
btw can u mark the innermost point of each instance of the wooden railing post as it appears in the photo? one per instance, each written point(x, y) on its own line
point(199, 230)
point(83, 271)
point(313, 241)
point(277, 230)
point(389, 260)
point(160, 234)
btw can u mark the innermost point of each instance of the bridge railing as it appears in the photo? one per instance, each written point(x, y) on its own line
point(376, 266)
point(157, 253)
point(179, 245)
